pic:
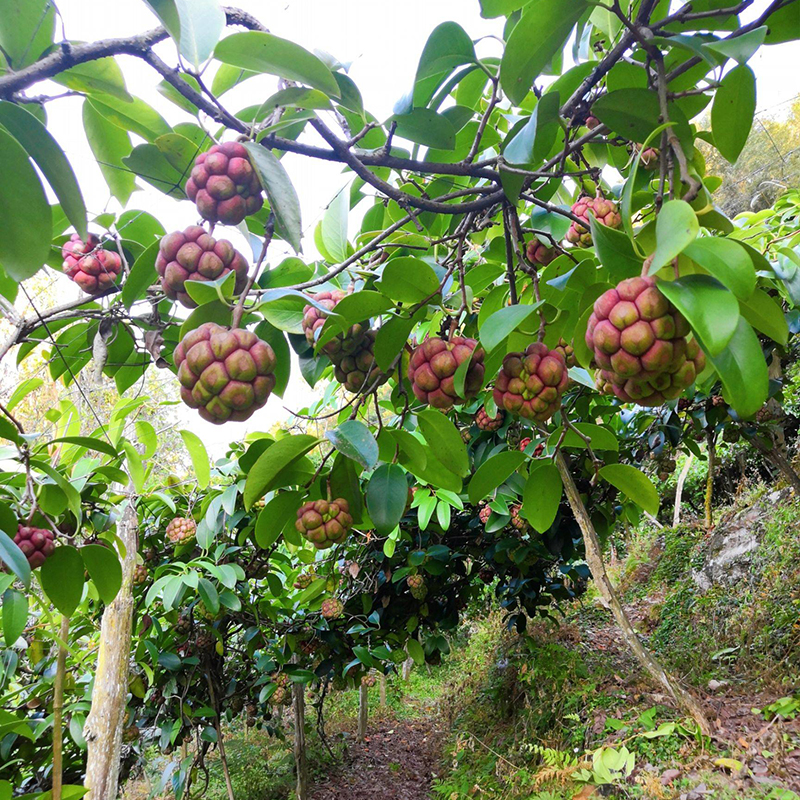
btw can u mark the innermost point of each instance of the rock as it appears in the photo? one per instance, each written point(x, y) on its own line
point(670, 775)
point(714, 685)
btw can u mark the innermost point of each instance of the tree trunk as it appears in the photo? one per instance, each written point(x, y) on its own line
point(363, 711)
point(676, 515)
point(58, 709)
point(223, 757)
point(712, 459)
point(103, 729)
point(594, 558)
point(780, 461)
point(408, 664)
point(300, 760)
point(383, 690)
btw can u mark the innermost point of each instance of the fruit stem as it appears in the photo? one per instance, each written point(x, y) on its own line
point(269, 231)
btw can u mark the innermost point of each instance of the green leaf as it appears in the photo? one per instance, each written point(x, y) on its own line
point(207, 291)
point(406, 279)
point(61, 577)
point(534, 141)
point(15, 615)
point(209, 595)
point(291, 270)
point(353, 439)
point(415, 651)
point(275, 516)
point(150, 164)
point(497, 328)
point(271, 463)
point(104, 569)
point(743, 371)
point(10, 554)
point(135, 466)
point(387, 494)
point(733, 111)
point(765, 314)
point(727, 261)
point(217, 311)
point(283, 361)
point(542, 496)
point(143, 273)
point(492, 473)
point(445, 441)
point(615, 251)
point(110, 145)
point(101, 76)
point(334, 226)
point(263, 52)
point(26, 30)
point(89, 442)
point(676, 228)
point(199, 455)
point(426, 127)
point(23, 389)
point(392, 337)
point(195, 25)
point(712, 310)
point(50, 159)
point(634, 484)
point(135, 116)
point(742, 47)
point(362, 654)
point(281, 193)
point(25, 243)
point(540, 34)
point(448, 46)
point(227, 76)
point(600, 438)
point(633, 113)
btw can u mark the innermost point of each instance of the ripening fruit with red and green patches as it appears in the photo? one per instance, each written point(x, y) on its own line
point(140, 575)
point(484, 514)
point(224, 185)
point(303, 581)
point(566, 350)
point(324, 522)
point(332, 608)
point(433, 365)
point(417, 587)
point(194, 254)
point(539, 253)
point(224, 374)
point(359, 371)
point(341, 345)
point(649, 158)
point(37, 544)
point(639, 342)
point(603, 210)
point(517, 520)
point(368, 681)
point(531, 383)
point(487, 423)
point(181, 530)
point(89, 265)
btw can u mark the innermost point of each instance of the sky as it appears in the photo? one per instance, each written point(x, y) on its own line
point(382, 39)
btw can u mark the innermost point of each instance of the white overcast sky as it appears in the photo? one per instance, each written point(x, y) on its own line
point(382, 39)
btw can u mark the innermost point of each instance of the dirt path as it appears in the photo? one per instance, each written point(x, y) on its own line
point(396, 762)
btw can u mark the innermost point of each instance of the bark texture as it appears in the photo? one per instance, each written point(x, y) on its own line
point(363, 711)
point(676, 514)
point(300, 759)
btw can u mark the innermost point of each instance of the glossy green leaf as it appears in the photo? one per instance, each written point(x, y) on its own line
point(765, 314)
point(387, 495)
point(15, 615)
point(109, 144)
point(276, 339)
point(142, 275)
point(392, 337)
point(406, 279)
point(199, 455)
point(540, 34)
point(600, 438)
point(534, 141)
point(26, 30)
point(334, 226)
point(615, 251)
point(727, 261)
point(354, 440)
point(101, 76)
point(634, 484)
point(50, 159)
point(492, 473)
point(152, 166)
point(633, 113)
point(25, 243)
point(502, 323)
point(104, 569)
point(733, 111)
point(711, 309)
point(135, 465)
point(263, 52)
point(89, 442)
point(274, 517)
point(134, 115)
point(676, 228)
point(282, 454)
point(743, 371)
point(542, 496)
point(415, 651)
point(10, 554)
point(741, 47)
point(444, 440)
point(426, 127)
point(448, 46)
point(196, 26)
point(22, 390)
point(61, 577)
point(281, 193)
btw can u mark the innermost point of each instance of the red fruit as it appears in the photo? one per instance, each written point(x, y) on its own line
point(195, 255)
point(592, 122)
point(88, 265)
point(538, 450)
point(36, 543)
point(639, 343)
point(181, 530)
point(649, 158)
point(604, 211)
point(518, 521)
point(432, 368)
point(224, 184)
point(225, 374)
point(523, 443)
point(539, 253)
point(484, 514)
point(332, 608)
point(487, 423)
point(358, 371)
point(343, 344)
point(531, 383)
point(324, 523)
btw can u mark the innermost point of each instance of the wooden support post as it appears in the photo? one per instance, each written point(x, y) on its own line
point(383, 681)
point(363, 711)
